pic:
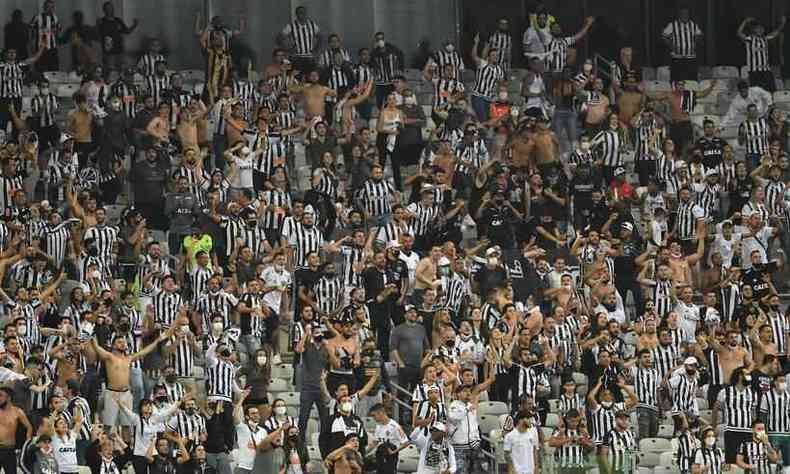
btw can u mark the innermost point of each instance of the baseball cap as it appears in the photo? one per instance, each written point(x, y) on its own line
point(438, 426)
point(443, 261)
point(690, 361)
point(393, 244)
point(409, 307)
point(621, 414)
point(726, 222)
point(493, 250)
point(627, 226)
point(712, 172)
point(309, 210)
point(619, 171)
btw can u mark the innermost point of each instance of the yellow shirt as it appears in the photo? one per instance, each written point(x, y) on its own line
point(193, 246)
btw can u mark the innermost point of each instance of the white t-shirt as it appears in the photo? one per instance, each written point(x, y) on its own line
point(411, 262)
point(243, 177)
point(391, 432)
point(521, 448)
point(271, 277)
point(726, 248)
point(689, 316)
point(65, 451)
point(759, 241)
point(245, 455)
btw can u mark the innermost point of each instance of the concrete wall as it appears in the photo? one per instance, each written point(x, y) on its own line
point(404, 21)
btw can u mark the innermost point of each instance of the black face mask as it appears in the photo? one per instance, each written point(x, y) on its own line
point(124, 327)
point(190, 411)
point(449, 343)
point(162, 399)
point(170, 378)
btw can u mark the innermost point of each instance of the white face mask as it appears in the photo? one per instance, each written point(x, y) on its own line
point(493, 261)
point(514, 112)
point(449, 48)
point(380, 43)
point(262, 360)
point(217, 327)
point(411, 100)
point(45, 91)
point(710, 442)
point(607, 404)
point(584, 146)
point(503, 95)
point(185, 329)
point(346, 407)
point(21, 330)
point(279, 411)
point(780, 386)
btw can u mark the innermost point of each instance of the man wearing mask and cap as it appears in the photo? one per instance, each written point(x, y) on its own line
point(436, 453)
point(682, 385)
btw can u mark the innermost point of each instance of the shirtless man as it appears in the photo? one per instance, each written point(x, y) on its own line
point(425, 274)
point(648, 339)
point(10, 419)
point(682, 132)
point(118, 364)
point(597, 106)
point(85, 212)
point(547, 148)
point(731, 356)
point(762, 337)
point(521, 145)
point(314, 95)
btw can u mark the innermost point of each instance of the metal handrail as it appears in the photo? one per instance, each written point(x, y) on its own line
point(599, 72)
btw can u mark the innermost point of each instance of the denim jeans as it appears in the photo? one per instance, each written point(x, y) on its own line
point(137, 386)
point(306, 400)
point(566, 119)
point(482, 107)
point(219, 461)
point(249, 345)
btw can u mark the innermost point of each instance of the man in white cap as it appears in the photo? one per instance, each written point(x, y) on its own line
point(683, 391)
point(709, 193)
point(436, 453)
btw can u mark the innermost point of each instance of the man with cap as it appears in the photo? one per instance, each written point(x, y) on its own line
point(436, 453)
point(620, 187)
point(522, 445)
point(682, 386)
point(709, 194)
point(745, 97)
point(618, 452)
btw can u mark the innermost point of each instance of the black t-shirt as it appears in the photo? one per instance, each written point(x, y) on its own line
point(712, 150)
point(581, 189)
point(741, 192)
point(304, 277)
point(761, 383)
point(499, 225)
point(111, 31)
point(162, 465)
point(754, 278)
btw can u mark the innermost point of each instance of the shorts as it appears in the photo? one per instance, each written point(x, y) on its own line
point(112, 412)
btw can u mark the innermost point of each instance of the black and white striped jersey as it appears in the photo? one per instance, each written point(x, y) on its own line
point(45, 29)
point(607, 145)
point(12, 76)
point(443, 58)
point(328, 293)
point(503, 43)
point(157, 87)
point(683, 37)
point(757, 53)
point(444, 89)
point(327, 56)
point(376, 197)
point(775, 410)
point(738, 406)
point(303, 36)
point(305, 240)
point(487, 79)
point(44, 108)
point(146, 65)
point(755, 135)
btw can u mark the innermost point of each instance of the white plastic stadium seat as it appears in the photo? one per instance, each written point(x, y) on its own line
point(579, 378)
point(283, 371)
point(57, 77)
point(725, 72)
point(655, 445)
point(278, 385)
point(666, 431)
point(314, 439)
point(649, 459)
point(492, 408)
point(290, 398)
point(547, 432)
point(745, 72)
point(663, 73)
point(648, 73)
point(314, 453)
point(782, 96)
point(554, 405)
point(666, 470)
point(410, 452)
point(407, 465)
point(488, 423)
point(702, 403)
point(552, 420)
point(643, 470)
point(657, 86)
point(668, 459)
point(67, 90)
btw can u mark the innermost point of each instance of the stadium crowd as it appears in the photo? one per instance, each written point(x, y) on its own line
point(334, 263)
